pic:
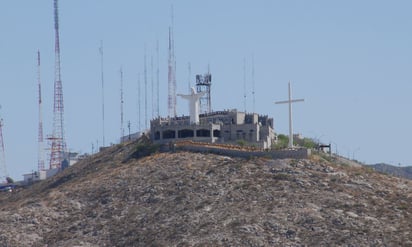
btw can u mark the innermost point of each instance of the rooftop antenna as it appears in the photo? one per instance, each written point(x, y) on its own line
point(121, 104)
point(145, 89)
point(102, 78)
point(204, 84)
point(290, 101)
point(40, 161)
point(244, 83)
point(58, 146)
point(157, 79)
point(253, 82)
point(171, 100)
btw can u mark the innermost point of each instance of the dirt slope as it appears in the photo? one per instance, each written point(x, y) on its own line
point(190, 199)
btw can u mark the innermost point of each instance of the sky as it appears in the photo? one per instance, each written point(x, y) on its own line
point(350, 60)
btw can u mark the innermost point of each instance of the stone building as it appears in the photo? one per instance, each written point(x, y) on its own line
point(230, 126)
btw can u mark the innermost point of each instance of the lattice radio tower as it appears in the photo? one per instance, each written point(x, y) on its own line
point(40, 161)
point(171, 100)
point(58, 146)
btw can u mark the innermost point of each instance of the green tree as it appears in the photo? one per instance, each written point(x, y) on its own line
point(282, 142)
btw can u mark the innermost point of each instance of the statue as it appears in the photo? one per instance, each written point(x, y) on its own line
point(193, 99)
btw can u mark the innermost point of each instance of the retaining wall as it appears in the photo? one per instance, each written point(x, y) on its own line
point(302, 153)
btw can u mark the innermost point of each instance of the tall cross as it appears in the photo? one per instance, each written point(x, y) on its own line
point(290, 101)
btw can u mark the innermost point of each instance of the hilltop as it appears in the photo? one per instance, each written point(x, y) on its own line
point(115, 198)
point(399, 171)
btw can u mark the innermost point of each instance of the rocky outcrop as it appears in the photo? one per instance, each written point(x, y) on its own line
point(194, 199)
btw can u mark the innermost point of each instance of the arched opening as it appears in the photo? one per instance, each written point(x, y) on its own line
point(169, 134)
point(203, 133)
point(185, 133)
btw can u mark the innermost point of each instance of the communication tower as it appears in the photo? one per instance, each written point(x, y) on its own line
point(171, 100)
point(203, 84)
point(58, 143)
point(40, 162)
point(121, 104)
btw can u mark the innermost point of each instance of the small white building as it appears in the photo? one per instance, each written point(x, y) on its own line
point(34, 176)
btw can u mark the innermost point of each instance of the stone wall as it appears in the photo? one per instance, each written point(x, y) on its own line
point(302, 153)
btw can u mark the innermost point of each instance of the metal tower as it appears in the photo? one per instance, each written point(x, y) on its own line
point(58, 146)
point(244, 83)
point(40, 162)
point(139, 119)
point(3, 169)
point(102, 78)
point(171, 100)
point(204, 84)
point(157, 80)
point(145, 89)
point(152, 85)
point(253, 83)
point(189, 75)
point(121, 105)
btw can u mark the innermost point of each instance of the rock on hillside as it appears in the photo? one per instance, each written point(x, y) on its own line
point(192, 199)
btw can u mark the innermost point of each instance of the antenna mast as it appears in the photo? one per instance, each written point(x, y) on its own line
point(58, 146)
point(204, 84)
point(244, 83)
point(40, 162)
point(102, 77)
point(139, 120)
point(3, 171)
point(253, 82)
point(152, 85)
point(171, 74)
point(145, 89)
point(189, 71)
point(121, 104)
point(157, 79)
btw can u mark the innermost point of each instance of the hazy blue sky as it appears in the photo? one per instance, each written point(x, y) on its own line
point(350, 60)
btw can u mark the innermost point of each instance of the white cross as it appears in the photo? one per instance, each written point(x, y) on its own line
point(290, 101)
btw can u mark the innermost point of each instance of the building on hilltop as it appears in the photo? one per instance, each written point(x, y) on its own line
point(229, 126)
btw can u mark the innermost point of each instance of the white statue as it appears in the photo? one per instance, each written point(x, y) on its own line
point(193, 104)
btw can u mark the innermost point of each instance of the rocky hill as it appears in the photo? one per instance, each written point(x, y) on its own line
point(399, 171)
point(115, 198)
